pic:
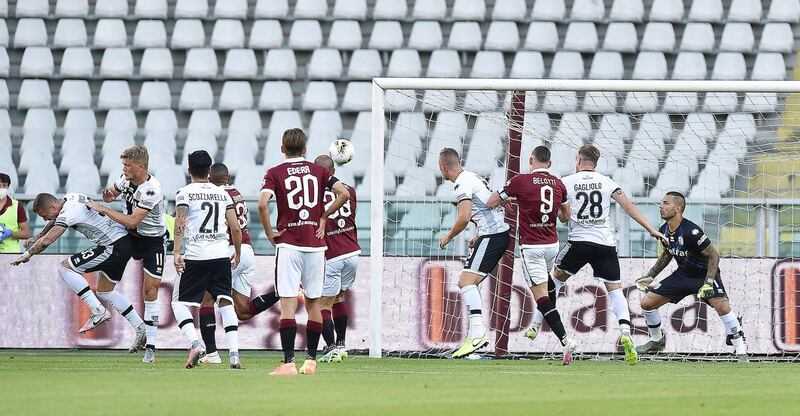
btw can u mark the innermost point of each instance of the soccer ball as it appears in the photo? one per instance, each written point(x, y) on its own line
point(341, 151)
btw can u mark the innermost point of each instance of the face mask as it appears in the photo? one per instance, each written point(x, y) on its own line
point(3, 193)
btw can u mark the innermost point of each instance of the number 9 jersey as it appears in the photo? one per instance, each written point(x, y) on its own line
point(589, 195)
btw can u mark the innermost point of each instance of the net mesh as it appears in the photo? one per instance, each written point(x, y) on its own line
point(735, 156)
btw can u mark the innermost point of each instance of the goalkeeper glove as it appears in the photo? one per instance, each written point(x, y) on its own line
point(643, 282)
point(706, 290)
point(4, 233)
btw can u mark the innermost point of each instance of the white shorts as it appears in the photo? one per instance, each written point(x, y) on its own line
point(537, 262)
point(294, 268)
point(243, 274)
point(339, 275)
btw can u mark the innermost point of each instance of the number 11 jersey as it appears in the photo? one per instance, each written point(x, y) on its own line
point(589, 195)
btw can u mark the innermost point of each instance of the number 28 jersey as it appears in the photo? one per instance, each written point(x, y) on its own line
point(299, 190)
point(589, 195)
point(206, 227)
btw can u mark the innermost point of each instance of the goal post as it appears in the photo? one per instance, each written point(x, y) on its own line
point(738, 174)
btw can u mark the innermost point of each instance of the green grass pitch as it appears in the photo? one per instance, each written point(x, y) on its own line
point(109, 383)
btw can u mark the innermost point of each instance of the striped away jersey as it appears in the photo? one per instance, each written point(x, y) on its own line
point(98, 228)
point(470, 186)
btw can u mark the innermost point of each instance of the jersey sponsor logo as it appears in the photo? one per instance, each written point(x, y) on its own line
point(702, 239)
point(695, 231)
point(303, 214)
point(150, 192)
point(340, 222)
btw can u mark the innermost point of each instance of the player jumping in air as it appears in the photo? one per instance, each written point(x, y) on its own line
point(109, 256)
point(341, 265)
point(143, 208)
point(697, 273)
point(591, 238)
point(204, 213)
point(472, 196)
point(299, 190)
point(541, 197)
point(242, 275)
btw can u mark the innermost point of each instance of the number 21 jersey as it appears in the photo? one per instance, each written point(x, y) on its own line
point(589, 195)
point(206, 226)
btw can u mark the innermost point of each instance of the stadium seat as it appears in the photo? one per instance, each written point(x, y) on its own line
point(741, 124)
point(33, 8)
point(231, 9)
point(689, 65)
point(325, 64)
point(266, 34)
point(573, 130)
point(502, 36)
point(536, 129)
point(567, 64)
point(755, 102)
point(4, 63)
point(276, 95)
point(325, 125)
point(587, 11)
point(621, 37)
point(686, 151)
point(666, 11)
point(77, 63)
point(711, 184)
point(784, 11)
point(650, 65)
point(114, 94)
point(365, 64)
point(150, 34)
point(79, 137)
point(405, 63)
point(239, 158)
point(357, 97)
point(248, 180)
point(386, 36)
point(350, 9)
point(199, 140)
point(227, 34)
point(150, 9)
point(173, 177)
point(559, 101)
point(626, 11)
point(70, 32)
point(242, 141)
point(240, 64)
point(280, 64)
point(729, 146)
point(581, 37)
point(444, 63)
point(345, 35)
point(271, 9)
point(280, 122)
point(111, 8)
point(526, 64)
point(33, 93)
point(42, 179)
point(402, 153)
point(188, 33)
point(552, 10)
point(729, 66)
point(72, 8)
point(429, 10)
point(542, 36)
point(701, 125)
point(469, 10)
point(311, 9)
point(37, 139)
point(400, 100)
point(121, 120)
point(161, 120)
point(40, 119)
point(4, 33)
point(75, 151)
point(83, 179)
point(705, 11)
point(737, 37)
point(74, 93)
point(5, 120)
point(5, 98)
point(235, 95)
point(188, 9)
point(160, 143)
point(435, 101)
point(769, 66)
point(116, 63)
point(37, 62)
point(110, 33)
point(30, 32)
point(600, 102)
point(305, 35)
point(673, 177)
point(34, 158)
point(417, 181)
point(425, 36)
point(389, 10)
point(154, 95)
point(744, 11)
point(465, 36)
point(776, 37)
point(480, 101)
point(485, 148)
point(156, 63)
point(248, 121)
point(658, 36)
point(606, 65)
point(509, 10)
point(698, 37)
point(487, 64)
point(320, 95)
point(196, 95)
point(201, 63)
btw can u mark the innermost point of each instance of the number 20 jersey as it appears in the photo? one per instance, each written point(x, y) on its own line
point(299, 190)
point(206, 236)
point(589, 195)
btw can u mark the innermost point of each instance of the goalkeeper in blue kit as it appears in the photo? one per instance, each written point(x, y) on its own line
point(697, 273)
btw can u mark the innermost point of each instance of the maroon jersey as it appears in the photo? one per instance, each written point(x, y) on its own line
point(340, 230)
point(539, 196)
point(242, 213)
point(299, 190)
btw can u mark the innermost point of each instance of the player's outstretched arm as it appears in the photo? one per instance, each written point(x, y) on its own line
point(236, 235)
point(41, 244)
point(128, 221)
point(462, 219)
point(181, 212)
point(47, 227)
point(111, 193)
point(633, 212)
point(663, 261)
point(494, 200)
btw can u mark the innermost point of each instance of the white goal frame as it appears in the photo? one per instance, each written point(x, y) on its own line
point(380, 85)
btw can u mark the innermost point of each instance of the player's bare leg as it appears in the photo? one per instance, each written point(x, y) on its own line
point(105, 291)
point(208, 328)
point(619, 305)
point(554, 285)
point(150, 287)
point(547, 308)
point(288, 331)
point(733, 329)
point(476, 337)
point(650, 304)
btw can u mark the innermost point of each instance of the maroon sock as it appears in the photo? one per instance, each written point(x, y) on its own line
point(313, 331)
point(340, 321)
point(288, 330)
point(327, 328)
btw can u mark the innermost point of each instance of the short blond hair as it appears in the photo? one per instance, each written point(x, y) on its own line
point(136, 154)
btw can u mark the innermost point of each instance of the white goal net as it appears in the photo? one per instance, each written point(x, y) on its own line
point(731, 148)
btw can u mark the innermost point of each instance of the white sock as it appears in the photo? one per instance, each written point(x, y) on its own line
point(231, 324)
point(119, 302)
point(151, 321)
point(653, 319)
point(78, 284)
point(619, 305)
point(732, 328)
point(472, 297)
point(185, 322)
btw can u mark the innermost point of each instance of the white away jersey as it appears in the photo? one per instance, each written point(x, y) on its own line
point(589, 195)
point(206, 236)
point(97, 227)
point(147, 196)
point(470, 186)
